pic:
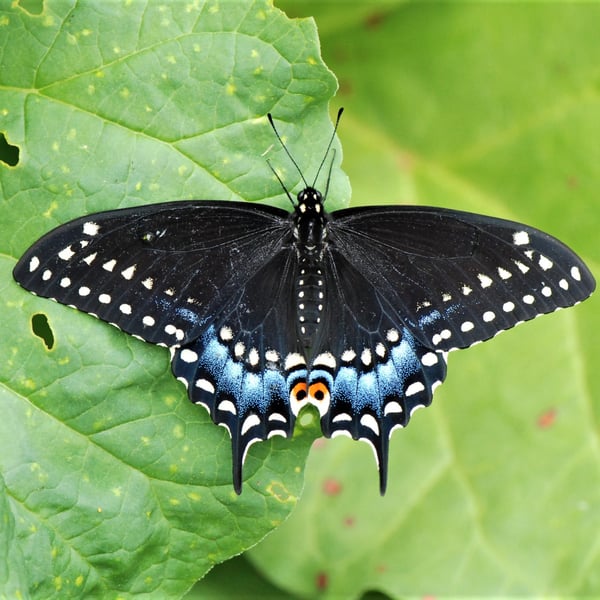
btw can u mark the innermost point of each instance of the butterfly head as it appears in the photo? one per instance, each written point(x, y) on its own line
point(310, 201)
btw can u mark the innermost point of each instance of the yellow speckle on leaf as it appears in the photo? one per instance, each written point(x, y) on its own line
point(4, 112)
point(65, 169)
point(171, 59)
point(154, 187)
point(254, 53)
point(48, 21)
point(117, 491)
point(117, 49)
point(29, 384)
point(4, 21)
point(55, 146)
point(230, 89)
point(86, 32)
point(311, 61)
point(138, 186)
point(173, 468)
point(178, 432)
point(145, 440)
point(125, 93)
point(261, 14)
point(195, 5)
point(58, 583)
point(100, 74)
point(53, 552)
point(99, 509)
point(79, 580)
point(196, 47)
point(195, 497)
point(149, 109)
point(65, 360)
point(71, 39)
point(182, 170)
point(174, 502)
point(48, 213)
point(213, 9)
point(258, 70)
point(32, 528)
point(91, 89)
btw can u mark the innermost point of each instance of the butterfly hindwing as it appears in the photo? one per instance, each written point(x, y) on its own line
point(156, 271)
point(242, 366)
point(376, 372)
point(458, 278)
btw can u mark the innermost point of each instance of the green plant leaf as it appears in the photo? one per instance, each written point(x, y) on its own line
point(495, 489)
point(112, 482)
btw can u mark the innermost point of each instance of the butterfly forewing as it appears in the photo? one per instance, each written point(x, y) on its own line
point(157, 271)
point(457, 278)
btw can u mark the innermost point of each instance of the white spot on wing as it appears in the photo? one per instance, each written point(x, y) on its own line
point(226, 334)
point(148, 321)
point(429, 359)
point(110, 265)
point(520, 238)
point(227, 406)
point(293, 360)
point(467, 326)
point(325, 359)
point(125, 309)
point(370, 422)
point(34, 263)
point(128, 272)
point(148, 283)
point(508, 306)
point(91, 228)
point(575, 273)
point(65, 253)
point(47, 274)
point(250, 421)
point(206, 385)
point(545, 263)
point(484, 280)
point(188, 356)
point(90, 259)
point(84, 290)
point(392, 407)
point(65, 282)
point(489, 316)
point(414, 388)
point(104, 298)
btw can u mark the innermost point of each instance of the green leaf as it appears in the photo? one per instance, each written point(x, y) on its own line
point(113, 484)
point(495, 489)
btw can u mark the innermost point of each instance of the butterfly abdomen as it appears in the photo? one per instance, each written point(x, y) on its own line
point(309, 292)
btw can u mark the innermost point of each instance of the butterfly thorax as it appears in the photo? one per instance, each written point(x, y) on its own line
point(310, 235)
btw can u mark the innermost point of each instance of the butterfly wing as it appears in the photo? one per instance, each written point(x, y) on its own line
point(407, 284)
point(159, 271)
point(456, 278)
point(248, 358)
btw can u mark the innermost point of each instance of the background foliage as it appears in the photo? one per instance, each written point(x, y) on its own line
point(111, 481)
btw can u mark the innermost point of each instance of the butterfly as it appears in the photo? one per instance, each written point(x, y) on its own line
point(265, 311)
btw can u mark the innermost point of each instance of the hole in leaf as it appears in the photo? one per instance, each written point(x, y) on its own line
point(41, 328)
point(33, 7)
point(8, 154)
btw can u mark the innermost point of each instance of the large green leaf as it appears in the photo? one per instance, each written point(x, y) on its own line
point(112, 482)
point(495, 489)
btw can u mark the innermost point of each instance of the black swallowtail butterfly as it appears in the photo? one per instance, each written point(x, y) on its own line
point(266, 311)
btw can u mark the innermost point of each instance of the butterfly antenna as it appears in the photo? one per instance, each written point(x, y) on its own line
point(281, 183)
point(286, 151)
point(329, 176)
point(337, 122)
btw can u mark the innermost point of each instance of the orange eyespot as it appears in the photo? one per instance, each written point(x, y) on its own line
point(319, 391)
point(299, 391)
